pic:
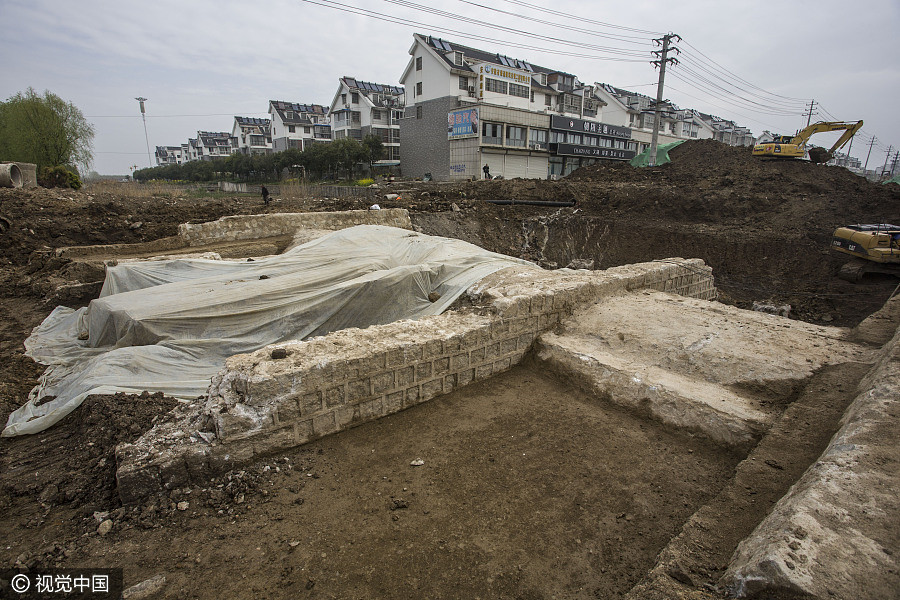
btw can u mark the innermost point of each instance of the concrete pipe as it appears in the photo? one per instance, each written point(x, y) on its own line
point(10, 175)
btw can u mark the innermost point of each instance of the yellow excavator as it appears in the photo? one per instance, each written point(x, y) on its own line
point(875, 248)
point(794, 146)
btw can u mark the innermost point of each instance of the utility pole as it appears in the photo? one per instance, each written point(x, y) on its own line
point(871, 143)
point(146, 137)
point(886, 157)
point(662, 59)
point(810, 113)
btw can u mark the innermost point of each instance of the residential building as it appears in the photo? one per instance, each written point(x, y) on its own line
point(168, 155)
point(253, 135)
point(360, 108)
point(298, 125)
point(728, 132)
point(467, 108)
point(215, 144)
point(638, 111)
point(194, 151)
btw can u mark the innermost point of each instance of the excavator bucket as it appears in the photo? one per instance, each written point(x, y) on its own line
point(819, 155)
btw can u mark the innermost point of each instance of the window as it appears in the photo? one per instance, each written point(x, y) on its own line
point(548, 99)
point(494, 85)
point(354, 116)
point(463, 83)
point(396, 115)
point(537, 138)
point(354, 97)
point(491, 133)
point(343, 98)
point(289, 114)
point(532, 95)
point(520, 91)
point(291, 128)
point(543, 79)
point(574, 138)
point(515, 136)
point(419, 89)
point(257, 140)
point(306, 130)
point(419, 111)
point(376, 115)
point(418, 63)
point(458, 58)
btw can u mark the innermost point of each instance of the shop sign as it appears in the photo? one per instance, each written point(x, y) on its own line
point(462, 123)
point(560, 123)
point(592, 151)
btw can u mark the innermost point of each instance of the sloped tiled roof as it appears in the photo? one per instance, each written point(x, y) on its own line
point(367, 88)
point(301, 112)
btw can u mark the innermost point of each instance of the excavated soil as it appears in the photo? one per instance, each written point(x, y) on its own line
point(530, 489)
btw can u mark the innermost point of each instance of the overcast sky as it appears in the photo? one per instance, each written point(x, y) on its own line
point(200, 62)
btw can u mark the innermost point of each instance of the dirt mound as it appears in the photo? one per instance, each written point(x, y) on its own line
point(713, 183)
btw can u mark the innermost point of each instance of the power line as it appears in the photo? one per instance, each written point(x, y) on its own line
point(622, 38)
point(461, 34)
point(546, 38)
point(737, 77)
point(583, 20)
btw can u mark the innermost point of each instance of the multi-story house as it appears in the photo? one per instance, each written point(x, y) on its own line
point(193, 150)
point(638, 112)
point(360, 108)
point(215, 144)
point(728, 132)
point(253, 135)
point(468, 108)
point(168, 155)
point(298, 125)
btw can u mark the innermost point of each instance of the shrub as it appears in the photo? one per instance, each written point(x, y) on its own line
point(59, 176)
point(365, 182)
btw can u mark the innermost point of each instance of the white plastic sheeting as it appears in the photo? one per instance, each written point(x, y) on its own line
point(169, 325)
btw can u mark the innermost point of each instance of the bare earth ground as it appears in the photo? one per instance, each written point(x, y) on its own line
point(530, 489)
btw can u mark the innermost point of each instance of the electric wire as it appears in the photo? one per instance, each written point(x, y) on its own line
point(737, 77)
point(628, 39)
point(582, 20)
point(461, 34)
point(546, 38)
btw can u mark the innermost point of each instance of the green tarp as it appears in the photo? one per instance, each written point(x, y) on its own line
point(662, 155)
point(894, 179)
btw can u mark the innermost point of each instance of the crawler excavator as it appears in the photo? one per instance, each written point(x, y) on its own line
point(794, 146)
point(875, 248)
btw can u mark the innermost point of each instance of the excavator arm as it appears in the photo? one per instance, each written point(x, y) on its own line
point(794, 146)
point(822, 126)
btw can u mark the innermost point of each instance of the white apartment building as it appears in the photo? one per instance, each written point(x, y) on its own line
point(168, 155)
point(467, 108)
point(215, 144)
point(298, 125)
point(360, 108)
point(253, 135)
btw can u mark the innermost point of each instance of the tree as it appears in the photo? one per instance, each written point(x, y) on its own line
point(374, 148)
point(45, 130)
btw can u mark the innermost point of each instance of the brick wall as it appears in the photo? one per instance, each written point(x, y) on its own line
point(251, 227)
point(283, 396)
point(425, 147)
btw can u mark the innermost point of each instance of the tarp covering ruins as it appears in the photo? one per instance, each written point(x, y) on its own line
point(169, 325)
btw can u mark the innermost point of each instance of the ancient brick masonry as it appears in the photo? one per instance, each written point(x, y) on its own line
point(283, 396)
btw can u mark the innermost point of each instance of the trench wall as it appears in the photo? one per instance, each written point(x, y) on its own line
point(286, 395)
point(252, 227)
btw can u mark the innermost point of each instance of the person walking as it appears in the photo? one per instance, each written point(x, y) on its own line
point(487, 171)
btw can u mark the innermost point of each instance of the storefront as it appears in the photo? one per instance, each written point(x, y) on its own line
point(578, 142)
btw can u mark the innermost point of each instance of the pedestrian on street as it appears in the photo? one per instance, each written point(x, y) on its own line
point(487, 171)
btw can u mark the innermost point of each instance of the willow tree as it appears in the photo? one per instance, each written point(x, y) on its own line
point(45, 130)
